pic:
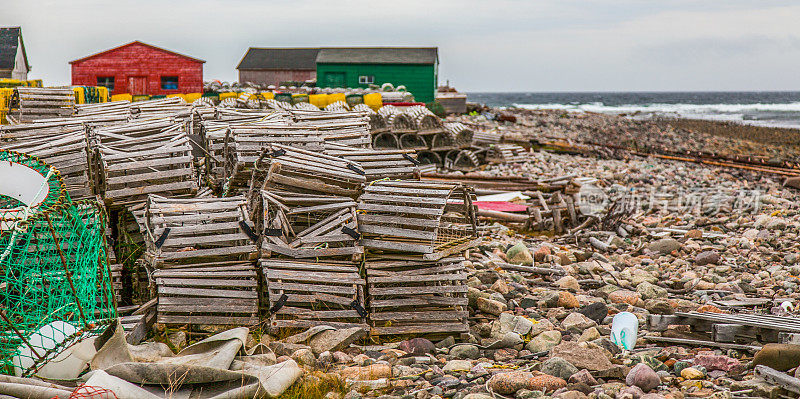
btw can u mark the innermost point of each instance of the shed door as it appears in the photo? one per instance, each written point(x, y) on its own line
point(334, 79)
point(137, 85)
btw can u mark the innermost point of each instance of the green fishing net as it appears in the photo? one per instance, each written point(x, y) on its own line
point(55, 287)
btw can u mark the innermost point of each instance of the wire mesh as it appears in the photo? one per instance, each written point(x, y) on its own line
point(55, 286)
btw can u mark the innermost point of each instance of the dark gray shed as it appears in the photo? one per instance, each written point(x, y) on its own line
point(273, 66)
point(13, 58)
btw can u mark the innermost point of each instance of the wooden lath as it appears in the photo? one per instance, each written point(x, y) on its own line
point(417, 297)
point(429, 220)
point(197, 230)
point(297, 225)
point(218, 293)
point(293, 169)
point(305, 294)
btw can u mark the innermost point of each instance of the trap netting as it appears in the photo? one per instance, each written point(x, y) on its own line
point(55, 288)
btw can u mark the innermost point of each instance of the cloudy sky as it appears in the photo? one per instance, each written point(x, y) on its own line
point(487, 45)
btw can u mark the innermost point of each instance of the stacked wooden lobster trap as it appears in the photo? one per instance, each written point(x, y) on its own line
point(284, 217)
point(439, 144)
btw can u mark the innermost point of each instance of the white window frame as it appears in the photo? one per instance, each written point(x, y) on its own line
point(366, 79)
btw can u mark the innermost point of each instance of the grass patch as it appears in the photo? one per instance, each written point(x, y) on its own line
point(315, 385)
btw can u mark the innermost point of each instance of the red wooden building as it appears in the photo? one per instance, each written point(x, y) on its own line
point(139, 68)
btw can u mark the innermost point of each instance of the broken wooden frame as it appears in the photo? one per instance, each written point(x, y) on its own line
point(300, 225)
point(506, 153)
point(418, 219)
point(554, 212)
point(730, 328)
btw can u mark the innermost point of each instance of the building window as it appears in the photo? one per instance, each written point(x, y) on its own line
point(106, 81)
point(366, 79)
point(169, 83)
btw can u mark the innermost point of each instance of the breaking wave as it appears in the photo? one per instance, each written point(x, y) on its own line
point(698, 109)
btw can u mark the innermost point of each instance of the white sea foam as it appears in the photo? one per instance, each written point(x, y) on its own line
point(669, 108)
point(760, 114)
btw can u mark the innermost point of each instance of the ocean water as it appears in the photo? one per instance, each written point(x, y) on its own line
point(777, 109)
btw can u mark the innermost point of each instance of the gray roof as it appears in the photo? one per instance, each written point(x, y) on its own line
point(378, 55)
point(9, 41)
point(279, 58)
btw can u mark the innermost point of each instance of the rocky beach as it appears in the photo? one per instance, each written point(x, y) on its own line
point(549, 334)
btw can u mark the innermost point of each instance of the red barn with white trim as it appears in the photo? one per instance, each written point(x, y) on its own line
point(140, 68)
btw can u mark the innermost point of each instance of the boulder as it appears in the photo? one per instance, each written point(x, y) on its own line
point(707, 258)
point(519, 255)
point(650, 291)
point(457, 365)
point(691, 373)
point(490, 306)
point(371, 372)
point(568, 283)
point(781, 357)
point(577, 322)
point(664, 245)
point(582, 377)
point(417, 346)
point(558, 367)
point(717, 362)
point(465, 352)
point(544, 341)
point(511, 382)
point(624, 296)
point(596, 311)
point(643, 377)
point(583, 355)
point(567, 300)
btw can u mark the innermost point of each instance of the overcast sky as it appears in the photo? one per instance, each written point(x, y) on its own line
point(487, 45)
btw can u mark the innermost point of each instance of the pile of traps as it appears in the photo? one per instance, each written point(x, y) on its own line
point(275, 217)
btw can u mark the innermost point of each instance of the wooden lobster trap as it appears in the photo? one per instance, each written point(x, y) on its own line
point(212, 135)
point(306, 294)
point(461, 160)
point(345, 128)
point(417, 220)
point(34, 103)
point(378, 164)
point(244, 144)
point(134, 161)
point(66, 149)
point(385, 140)
point(300, 225)
point(197, 230)
point(281, 167)
point(463, 134)
point(377, 123)
point(425, 121)
point(217, 293)
point(398, 121)
point(417, 297)
point(506, 153)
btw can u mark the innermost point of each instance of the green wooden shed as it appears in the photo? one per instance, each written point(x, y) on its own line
point(417, 68)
